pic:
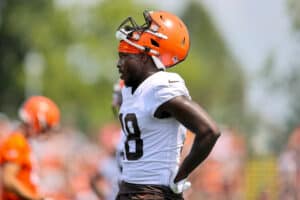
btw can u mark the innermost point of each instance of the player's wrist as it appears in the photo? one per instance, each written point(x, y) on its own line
point(181, 174)
point(178, 179)
point(181, 186)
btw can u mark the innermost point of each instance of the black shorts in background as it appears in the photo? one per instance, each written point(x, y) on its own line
point(130, 191)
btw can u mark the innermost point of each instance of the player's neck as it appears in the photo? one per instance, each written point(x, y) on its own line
point(142, 79)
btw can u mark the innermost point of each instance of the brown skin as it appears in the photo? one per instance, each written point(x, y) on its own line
point(134, 69)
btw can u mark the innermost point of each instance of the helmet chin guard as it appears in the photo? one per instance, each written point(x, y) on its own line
point(163, 36)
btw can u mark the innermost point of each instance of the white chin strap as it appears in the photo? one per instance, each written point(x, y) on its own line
point(158, 63)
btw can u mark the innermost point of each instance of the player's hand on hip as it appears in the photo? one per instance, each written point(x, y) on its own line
point(180, 186)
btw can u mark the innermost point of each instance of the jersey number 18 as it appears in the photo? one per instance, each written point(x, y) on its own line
point(133, 142)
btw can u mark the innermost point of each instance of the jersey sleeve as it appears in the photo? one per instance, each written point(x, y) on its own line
point(13, 150)
point(171, 86)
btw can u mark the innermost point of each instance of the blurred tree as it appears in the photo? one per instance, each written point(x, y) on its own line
point(293, 78)
point(90, 62)
point(288, 81)
point(294, 8)
point(12, 51)
point(76, 47)
point(215, 78)
point(285, 82)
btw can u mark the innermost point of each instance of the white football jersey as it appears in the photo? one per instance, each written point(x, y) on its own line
point(152, 146)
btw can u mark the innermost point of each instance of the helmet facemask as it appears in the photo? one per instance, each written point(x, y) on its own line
point(131, 32)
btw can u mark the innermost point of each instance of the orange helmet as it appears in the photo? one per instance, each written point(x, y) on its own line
point(163, 36)
point(40, 113)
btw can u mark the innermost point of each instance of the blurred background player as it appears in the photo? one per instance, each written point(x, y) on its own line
point(116, 104)
point(289, 168)
point(5, 126)
point(39, 115)
point(105, 181)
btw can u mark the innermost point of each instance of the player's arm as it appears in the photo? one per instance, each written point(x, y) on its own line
point(12, 183)
point(95, 186)
point(193, 117)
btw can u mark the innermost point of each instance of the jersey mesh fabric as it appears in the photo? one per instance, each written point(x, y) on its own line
point(162, 139)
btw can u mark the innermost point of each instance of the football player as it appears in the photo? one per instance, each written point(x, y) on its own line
point(157, 109)
point(39, 115)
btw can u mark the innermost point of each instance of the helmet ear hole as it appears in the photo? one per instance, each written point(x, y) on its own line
point(154, 43)
point(183, 42)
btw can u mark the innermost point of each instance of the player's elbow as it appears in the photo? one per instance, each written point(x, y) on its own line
point(215, 131)
point(212, 132)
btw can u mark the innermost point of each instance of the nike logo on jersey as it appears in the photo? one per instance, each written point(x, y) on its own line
point(170, 81)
